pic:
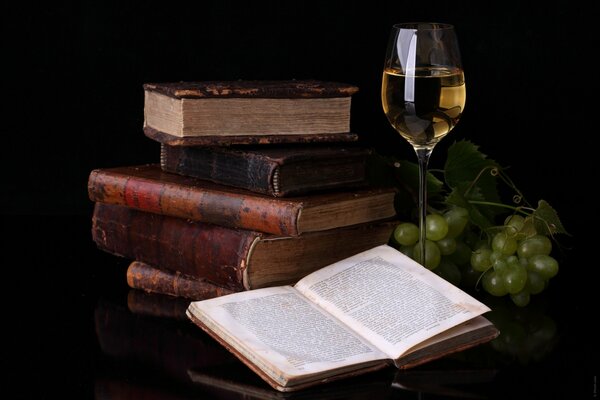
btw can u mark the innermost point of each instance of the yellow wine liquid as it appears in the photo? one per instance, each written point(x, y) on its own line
point(425, 105)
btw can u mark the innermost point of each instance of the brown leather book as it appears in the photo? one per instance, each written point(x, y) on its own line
point(279, 171)
point(148, 188)
point(234, 258)
point(227, 112)
point(156, 280)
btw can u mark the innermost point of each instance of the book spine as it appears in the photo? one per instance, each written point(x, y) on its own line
point(155, 280)
point(227, 209)
point(243, 171)
point(212, 252)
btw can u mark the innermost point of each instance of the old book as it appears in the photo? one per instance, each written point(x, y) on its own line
point(373, 309)
point(152, 279)
point(226, 112)
point(273, 170)
point(148, 188)
point(234, 258)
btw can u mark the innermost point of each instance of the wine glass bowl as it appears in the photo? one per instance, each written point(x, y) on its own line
point(423, 92)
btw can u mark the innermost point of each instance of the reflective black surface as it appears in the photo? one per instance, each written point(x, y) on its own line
point(76, 329)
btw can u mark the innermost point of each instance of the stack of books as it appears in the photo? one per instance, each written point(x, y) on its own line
point(259, 184)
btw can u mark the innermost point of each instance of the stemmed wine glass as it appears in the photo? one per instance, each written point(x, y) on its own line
point(423, 94)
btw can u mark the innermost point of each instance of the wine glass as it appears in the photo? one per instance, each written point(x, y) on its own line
point(423, 94)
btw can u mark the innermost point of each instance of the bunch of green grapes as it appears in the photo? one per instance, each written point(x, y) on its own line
point(514, 260)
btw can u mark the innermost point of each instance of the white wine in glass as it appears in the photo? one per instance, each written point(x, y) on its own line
point(423, 94)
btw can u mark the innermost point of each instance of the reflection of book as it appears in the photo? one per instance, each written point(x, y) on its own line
point(156, 280)
point(157, 305)
point(168, 345)
point(234, 258)
point(245, 112)
point(272, 170)
point(148, 188)
point(360, 314)
point(451, 383)
point(236, 381)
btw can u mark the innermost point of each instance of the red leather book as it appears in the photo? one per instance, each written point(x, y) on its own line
point(148, 188)
point(156, 280)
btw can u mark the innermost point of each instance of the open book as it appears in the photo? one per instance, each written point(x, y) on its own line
point(357, 315)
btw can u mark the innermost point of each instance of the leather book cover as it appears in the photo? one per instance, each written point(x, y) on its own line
point(156, 280)
point(253, 89)
point(273, 170)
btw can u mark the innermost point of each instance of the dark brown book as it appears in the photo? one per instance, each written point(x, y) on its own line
point(228, 112)
point(272, 170)
point(368, 311)
point(234, 258)
point(148, 188)
point(156, 280)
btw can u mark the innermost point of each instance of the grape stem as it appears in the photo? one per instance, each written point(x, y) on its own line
point(516, 209)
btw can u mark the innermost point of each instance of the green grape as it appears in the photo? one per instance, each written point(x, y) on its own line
point(544, 265)
point(407, 250)
point(406, 233)
point(514, 279)
point(513, 224)
point(521, 299)
point(436, 227)
point(462, 254)
point(504, 243)
point(432, 254)
point(494, 284)
point(535, 283)
point(480, 259)
point(523, 261)
point(449, 271)
point(537, 244)
point(497, 255)
point(457, 219)
point(447, 246)
point(500, 265)
point(514, 261)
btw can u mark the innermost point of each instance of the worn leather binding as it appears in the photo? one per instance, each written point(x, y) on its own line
point(148, 188)
point(233, 258)
point(248, 112)
point(278, 171)
point(156, 280)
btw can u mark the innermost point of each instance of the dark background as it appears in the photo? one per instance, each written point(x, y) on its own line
point(73, 82)
point(73, 101)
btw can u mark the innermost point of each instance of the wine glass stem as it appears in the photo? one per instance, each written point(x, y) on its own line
point(423, 155)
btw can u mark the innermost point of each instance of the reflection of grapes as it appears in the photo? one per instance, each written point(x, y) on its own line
point(514, 262)
point(526, 334)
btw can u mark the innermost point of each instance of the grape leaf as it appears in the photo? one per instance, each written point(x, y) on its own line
point(478, 215)
point(466, 164)
point(546, 219)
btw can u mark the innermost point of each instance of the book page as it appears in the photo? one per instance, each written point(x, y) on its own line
point(283, 333)
point(389, 298)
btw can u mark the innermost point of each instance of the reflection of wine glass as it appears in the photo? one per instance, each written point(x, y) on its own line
point(423, 94)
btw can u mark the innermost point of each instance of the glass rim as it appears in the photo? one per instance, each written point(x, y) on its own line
point(423, 25)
